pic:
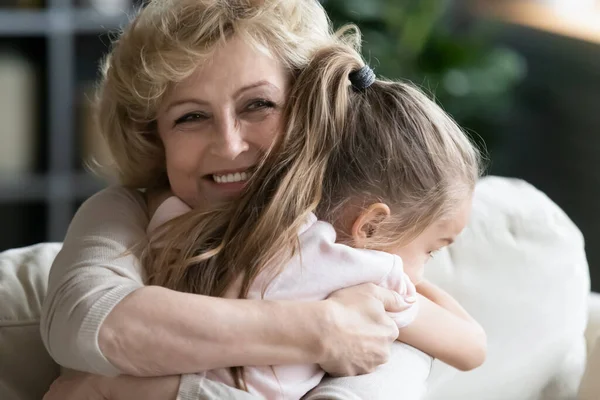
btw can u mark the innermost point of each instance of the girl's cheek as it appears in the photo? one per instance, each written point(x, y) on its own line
point(414, 269)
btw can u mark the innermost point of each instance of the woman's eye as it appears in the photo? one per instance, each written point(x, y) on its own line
point(191, 117)
point(260, 105)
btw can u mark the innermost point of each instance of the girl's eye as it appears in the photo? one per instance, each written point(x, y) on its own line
point(432, 253)
point(260, 105)
point(191, 117)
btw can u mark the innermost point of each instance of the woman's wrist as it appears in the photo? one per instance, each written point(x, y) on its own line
point(315, 322)
point(288, 332)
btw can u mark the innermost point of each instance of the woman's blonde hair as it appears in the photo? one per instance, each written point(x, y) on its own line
point(165, 43)
point(387, 143)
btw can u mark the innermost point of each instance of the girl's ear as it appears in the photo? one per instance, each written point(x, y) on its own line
point(367, 223)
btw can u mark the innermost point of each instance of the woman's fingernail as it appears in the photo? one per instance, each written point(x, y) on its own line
point(410, 299)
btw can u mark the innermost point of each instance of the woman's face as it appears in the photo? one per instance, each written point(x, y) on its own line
point(216, 124)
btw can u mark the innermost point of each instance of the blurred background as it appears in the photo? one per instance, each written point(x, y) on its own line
point(522, 76)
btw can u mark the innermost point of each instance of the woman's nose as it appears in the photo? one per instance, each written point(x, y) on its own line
point(229, 141)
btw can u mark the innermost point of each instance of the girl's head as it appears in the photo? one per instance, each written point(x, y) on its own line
point(193, 90)
point(384, 164)
point(397, 172)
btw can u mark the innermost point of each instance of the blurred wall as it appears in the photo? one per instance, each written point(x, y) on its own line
point(553, 137)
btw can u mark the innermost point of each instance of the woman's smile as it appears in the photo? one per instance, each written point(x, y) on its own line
point(228, 183)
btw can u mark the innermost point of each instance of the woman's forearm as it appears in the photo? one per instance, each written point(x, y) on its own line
point(155, 332)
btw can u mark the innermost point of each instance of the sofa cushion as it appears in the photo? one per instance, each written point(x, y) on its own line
point(26, 369)
point(520, 269)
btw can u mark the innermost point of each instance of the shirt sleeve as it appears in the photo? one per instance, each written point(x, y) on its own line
point(404, 377)
point(169, 209)
point(398, 281)
point(196, 386)
point(93, 272)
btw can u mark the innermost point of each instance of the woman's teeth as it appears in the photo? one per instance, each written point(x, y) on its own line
point(232, 178)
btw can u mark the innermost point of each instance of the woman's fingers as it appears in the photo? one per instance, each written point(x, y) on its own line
point(360, 331)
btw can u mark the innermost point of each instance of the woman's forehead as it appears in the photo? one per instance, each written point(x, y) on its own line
point(233, 67)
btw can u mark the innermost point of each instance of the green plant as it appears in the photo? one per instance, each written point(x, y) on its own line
point(470, 76)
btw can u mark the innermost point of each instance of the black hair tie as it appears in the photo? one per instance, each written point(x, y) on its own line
point(362, 78)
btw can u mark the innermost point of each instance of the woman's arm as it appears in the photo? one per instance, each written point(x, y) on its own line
point(348, 334)
point(183, 333)
point(99, 317)
point(444, 330)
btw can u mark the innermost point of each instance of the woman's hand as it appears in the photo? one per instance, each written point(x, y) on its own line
point(358, 333)
point(78, 386)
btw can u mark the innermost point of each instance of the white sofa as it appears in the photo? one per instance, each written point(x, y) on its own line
point(519, 268)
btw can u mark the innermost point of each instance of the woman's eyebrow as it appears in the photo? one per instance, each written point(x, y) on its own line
point(186, 101)
point(254, 86)
point(238, 93)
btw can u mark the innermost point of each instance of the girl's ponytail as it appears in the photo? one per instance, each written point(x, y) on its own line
point(288, 185)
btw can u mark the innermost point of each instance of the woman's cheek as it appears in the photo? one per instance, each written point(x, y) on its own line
point(268, 131)
point(183, 172)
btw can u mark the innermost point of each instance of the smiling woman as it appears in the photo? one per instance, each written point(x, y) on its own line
point(219, 122)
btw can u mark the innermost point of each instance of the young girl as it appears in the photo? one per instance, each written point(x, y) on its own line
point(370, 179)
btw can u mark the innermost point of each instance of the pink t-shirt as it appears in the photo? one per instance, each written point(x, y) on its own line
point(319, 268)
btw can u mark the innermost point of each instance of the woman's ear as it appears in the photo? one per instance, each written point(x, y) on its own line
point(367, 223)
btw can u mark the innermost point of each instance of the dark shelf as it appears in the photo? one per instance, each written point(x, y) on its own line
point(57, 40)
point(23, 23)
point(17, 220)
point(57, 21)
point(42, 187)
point(23, 188)
point(90, 21)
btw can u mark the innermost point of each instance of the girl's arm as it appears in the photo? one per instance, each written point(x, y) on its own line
point(443, 299)
point(99, 317)
point(444, 330)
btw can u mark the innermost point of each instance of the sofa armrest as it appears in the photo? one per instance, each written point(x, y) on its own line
point(592, 331)
point(590, 385)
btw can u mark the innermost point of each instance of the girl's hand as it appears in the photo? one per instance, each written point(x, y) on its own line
point(78, 386)
point(358, 334)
